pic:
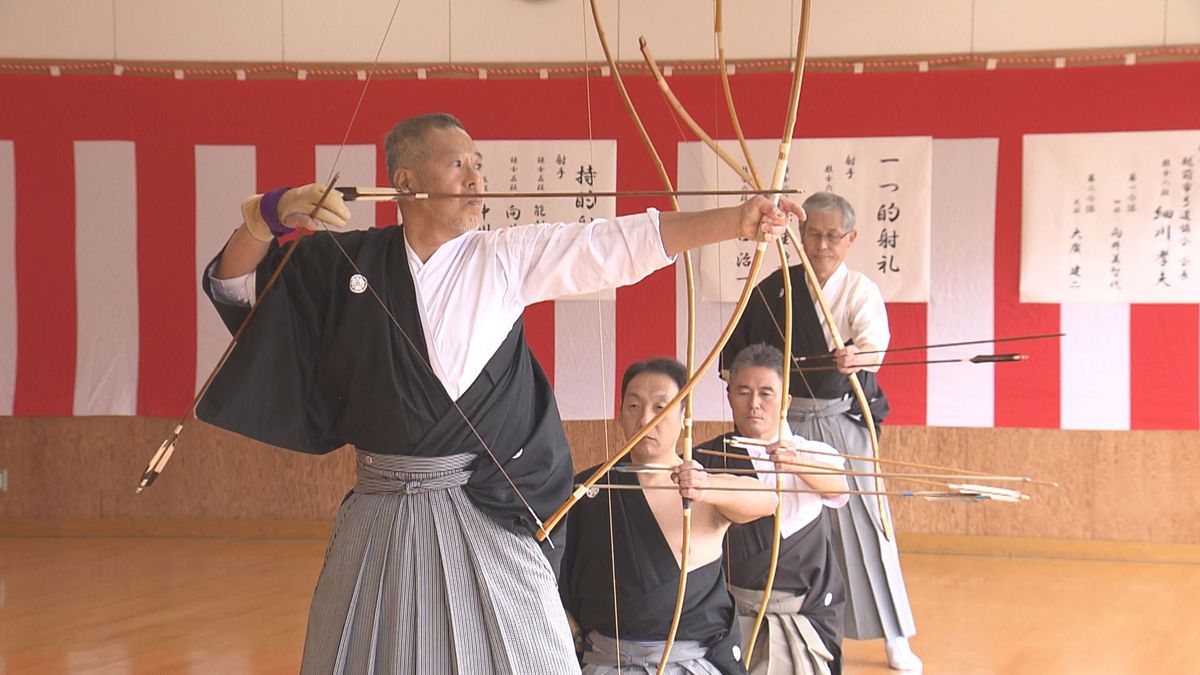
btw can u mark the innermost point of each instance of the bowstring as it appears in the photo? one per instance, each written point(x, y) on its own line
point(362, 94)
point(421, 357)
point(604, 397)
point(159, 461)
point(720, 268)
point(332, 173)
point(784, 267)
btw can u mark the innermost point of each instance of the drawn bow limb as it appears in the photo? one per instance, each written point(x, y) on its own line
point(689, 275)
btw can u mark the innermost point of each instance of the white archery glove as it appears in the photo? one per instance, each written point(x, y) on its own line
point(278, 212)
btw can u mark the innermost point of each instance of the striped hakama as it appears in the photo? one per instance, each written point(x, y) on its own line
point(877, 602)
point(640, 657)
point(418, 580)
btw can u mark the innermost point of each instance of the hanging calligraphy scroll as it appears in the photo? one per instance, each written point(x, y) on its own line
point(886, 180)
point(1107, 217)
point(549, 166)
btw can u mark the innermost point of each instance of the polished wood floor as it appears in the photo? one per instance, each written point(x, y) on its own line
point(230, 606)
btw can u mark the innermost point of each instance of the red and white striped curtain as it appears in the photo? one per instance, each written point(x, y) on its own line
point(115, 192)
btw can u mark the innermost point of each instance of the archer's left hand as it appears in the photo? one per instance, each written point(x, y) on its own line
point(760, 220)
point(691, 479)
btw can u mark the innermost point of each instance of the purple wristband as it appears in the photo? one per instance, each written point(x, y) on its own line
point(268, 208)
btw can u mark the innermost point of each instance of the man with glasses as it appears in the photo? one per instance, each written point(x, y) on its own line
point(824, 409)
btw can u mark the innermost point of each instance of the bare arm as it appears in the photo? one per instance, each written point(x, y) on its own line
point(741, 499)
point(828, 486)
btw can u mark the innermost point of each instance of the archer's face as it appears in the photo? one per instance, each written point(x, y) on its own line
point(451, 164)
point(646, 396)
point(754, 398)
point(825, 242)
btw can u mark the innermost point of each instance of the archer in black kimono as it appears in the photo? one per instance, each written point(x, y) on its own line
point(645, 530)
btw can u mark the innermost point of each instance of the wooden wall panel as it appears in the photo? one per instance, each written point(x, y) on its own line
point(77, 475)
point(88, 467)
point(1148, 488)
point(1045, 454)
point(921, 516)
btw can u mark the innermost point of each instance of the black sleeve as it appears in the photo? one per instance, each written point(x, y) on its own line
point(266, 390)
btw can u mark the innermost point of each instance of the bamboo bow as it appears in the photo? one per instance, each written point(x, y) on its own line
point(756, 262)
point(751, 178)
point(163, 455)
point(664, 177)
point(785, 434)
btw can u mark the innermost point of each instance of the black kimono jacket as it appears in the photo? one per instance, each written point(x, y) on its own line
point(319, 367)
point(647, 577)
point(762, 322)
point(807, 564)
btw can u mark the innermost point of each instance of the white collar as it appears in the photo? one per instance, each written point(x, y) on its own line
point(836, 280)
point(447, 249)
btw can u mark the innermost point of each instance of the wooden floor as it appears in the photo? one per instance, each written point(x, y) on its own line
point(238, 606)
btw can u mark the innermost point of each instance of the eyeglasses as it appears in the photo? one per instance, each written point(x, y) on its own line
point(830, 238)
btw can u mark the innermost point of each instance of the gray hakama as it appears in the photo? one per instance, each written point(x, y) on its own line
point(877, 603)
point(792, 644)
point(432, 566)
point(408, 537)
point(643, 657)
